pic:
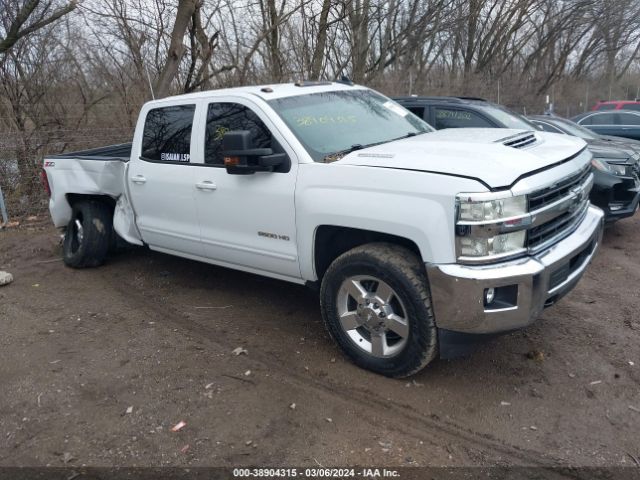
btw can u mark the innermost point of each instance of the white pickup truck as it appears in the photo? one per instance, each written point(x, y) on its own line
point(419, 241)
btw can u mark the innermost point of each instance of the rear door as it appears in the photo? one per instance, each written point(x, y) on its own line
point(604, 123)
point(247, 221)
point(161, 180)
point(630, 125)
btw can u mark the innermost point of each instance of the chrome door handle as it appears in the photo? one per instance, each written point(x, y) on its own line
point(139, 179)
point(206, 185)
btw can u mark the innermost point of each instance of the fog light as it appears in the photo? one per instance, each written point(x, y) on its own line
point(489, 296)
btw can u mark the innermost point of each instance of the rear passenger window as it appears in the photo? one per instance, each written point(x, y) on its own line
point(629, 119)
point(454, 118)
point(167, 134)
point(224, 117)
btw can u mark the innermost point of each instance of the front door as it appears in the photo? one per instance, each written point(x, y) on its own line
point(246, 220)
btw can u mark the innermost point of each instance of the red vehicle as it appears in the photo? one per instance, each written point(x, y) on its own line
point(617, 105)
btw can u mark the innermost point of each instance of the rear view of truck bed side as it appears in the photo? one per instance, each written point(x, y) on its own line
point(98, 172)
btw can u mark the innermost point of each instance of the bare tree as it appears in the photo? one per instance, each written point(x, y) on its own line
point(19, 19)
point(183, 16)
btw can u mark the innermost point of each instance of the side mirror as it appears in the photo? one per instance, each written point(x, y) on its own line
point(241, 158)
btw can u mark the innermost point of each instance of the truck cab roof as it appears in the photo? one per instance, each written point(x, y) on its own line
point(268, 91)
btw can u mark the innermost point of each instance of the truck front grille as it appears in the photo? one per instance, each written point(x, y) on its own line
point(546, 196)
point(553, 230)
point(572, 194)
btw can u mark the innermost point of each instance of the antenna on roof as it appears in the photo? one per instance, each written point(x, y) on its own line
point(150, 85)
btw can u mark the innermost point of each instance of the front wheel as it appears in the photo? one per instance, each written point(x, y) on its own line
point(376, 305)
point(88, 235)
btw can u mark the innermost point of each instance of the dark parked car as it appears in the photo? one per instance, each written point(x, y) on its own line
point(619, 193)
point(554, 124)
point(619, 123)
point(463, 112)
point(615, 185)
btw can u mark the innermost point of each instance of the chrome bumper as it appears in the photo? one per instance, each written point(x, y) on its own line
point(530, 284)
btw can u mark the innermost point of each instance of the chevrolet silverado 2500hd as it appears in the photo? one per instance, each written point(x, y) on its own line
point(418, 240)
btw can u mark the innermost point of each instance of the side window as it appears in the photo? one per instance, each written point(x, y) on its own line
point(632, 106)
point(629, 119)
point(604, 119)
point(418, 111)
point(223, 117)
point(453, 118)
point(167, 134)
point(586, 121)
point(606, 106)
point(546, 127)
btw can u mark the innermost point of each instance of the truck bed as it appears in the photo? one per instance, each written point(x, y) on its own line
point(97, 171)
point(120, 152)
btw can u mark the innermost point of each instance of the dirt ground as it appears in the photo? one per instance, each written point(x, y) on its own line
point(97, 366)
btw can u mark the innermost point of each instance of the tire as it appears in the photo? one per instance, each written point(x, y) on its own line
point(88, 246)
point(393, 275)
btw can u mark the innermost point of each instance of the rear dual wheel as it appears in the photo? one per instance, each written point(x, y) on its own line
point(376, 305)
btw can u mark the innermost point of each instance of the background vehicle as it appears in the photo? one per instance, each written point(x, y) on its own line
point(617, 105)
point(619, 123)
point(617, 167)
point(615, 188)
point(463, 112)
point(418, 240)
point(555, 124)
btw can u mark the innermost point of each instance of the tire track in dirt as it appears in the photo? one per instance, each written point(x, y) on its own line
point(412, 421)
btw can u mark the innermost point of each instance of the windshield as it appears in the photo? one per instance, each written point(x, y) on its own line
point(329, 124)
point(573, 129)
point(509, 119)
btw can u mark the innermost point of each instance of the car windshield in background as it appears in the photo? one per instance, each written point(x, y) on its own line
point(332, 123)
point(509, 119)
point(575, 129)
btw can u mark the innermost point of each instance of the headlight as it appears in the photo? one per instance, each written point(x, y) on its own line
point(497, 245)
point(614, 168)
point(480, 224)
point(488, 210)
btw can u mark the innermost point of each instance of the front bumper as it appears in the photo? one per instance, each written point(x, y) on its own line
point(530, 284)
point(617, 196)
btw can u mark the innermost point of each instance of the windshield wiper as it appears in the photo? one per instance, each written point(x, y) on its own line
point(335, 156)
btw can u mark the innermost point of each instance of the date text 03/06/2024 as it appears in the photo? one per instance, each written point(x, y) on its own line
point(315, 473)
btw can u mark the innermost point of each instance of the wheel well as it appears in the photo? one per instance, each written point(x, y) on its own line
point(74, 198)
point(332, 241)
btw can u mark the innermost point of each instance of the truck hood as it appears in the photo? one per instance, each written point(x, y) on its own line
point(495, 156)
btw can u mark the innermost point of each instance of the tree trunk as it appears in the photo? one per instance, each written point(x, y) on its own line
point(318, 53)
point(186, 9)
point(359, 19)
